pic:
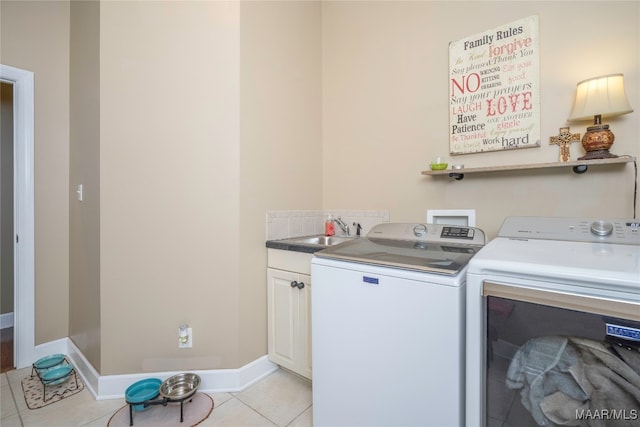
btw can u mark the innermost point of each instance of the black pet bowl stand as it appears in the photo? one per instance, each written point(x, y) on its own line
point(55, 381)
point(164, 401)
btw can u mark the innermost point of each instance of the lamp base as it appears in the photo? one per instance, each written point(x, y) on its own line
point(597, 154)
point(597, 141)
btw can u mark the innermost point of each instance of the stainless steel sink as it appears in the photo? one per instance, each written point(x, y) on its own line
point(321, 240)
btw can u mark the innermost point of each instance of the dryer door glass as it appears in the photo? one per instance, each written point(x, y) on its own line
point(554, 366)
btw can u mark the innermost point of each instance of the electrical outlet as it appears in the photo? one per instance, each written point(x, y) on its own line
point(189, 341)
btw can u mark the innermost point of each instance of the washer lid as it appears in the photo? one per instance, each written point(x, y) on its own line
point(426, 256)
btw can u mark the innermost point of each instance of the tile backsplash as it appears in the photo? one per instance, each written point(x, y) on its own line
point(285, 224)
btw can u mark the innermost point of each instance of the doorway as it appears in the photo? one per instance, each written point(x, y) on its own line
point(22, 238)
point(7, 276)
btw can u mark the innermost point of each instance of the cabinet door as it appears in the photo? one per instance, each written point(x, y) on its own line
point(282, 308)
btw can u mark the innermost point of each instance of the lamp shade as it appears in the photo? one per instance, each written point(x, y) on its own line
point(604, 96)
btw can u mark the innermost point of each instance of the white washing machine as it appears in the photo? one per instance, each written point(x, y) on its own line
point(388, 327)
point(553, 324)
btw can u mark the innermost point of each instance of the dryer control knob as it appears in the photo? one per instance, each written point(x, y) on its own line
point(420, 230)
point(601, 228)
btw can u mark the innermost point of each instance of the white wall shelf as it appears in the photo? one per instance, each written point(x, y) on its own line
point(579, 167)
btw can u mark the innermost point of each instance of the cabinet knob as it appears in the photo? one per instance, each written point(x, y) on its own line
point(300, 285)
point(294, 284)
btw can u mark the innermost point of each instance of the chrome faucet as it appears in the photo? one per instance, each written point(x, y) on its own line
point(344, 227)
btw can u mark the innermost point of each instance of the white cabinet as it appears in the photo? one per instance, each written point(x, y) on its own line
point(289, 310)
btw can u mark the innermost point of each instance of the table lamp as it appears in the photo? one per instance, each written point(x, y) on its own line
point(596, 98)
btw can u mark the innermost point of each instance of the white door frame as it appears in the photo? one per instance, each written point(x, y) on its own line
point(23, 211)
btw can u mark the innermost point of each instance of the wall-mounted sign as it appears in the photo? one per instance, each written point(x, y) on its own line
point(494, 89)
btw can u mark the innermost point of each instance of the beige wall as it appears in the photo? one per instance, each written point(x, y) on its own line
point(166, 187)
point(385, 111)
point(35, 36)
point(84, 155)
point(195, 148)
point(280, 138)
point(169, 165)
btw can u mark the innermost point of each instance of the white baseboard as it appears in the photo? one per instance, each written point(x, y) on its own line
point(114, 386)
point(6, 320)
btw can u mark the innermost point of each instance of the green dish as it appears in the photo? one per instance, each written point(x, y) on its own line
point(439, 166)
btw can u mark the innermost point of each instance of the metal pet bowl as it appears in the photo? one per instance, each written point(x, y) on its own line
point(180, 387)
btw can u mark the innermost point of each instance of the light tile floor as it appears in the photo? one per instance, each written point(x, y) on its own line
point(281, 399)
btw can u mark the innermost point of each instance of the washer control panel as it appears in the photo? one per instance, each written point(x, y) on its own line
point(620, 231)
point(457, 232)
point(428, 233)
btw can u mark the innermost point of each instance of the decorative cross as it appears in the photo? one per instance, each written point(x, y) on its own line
point(564, 140)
